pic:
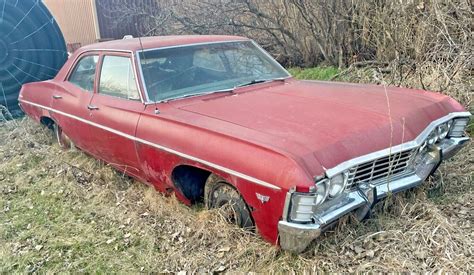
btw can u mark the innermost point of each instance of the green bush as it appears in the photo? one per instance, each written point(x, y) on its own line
point(316, 73)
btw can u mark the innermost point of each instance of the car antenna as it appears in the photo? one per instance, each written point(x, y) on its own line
point(146, 63)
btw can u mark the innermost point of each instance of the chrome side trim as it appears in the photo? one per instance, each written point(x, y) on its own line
point(271, 58)
point(194, 44)
point(140, 71)
point(135, 74)
point(87, 52)
point(286, 206)
point(104, 52)
point(163, 148)
point(131, 57)
point(395, 149)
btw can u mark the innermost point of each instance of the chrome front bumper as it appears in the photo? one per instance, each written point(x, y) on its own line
point(296, 237)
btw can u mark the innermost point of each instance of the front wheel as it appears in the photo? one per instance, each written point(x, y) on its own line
point(221, 195)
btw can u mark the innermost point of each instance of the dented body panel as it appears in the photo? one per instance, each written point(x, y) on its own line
point(264, 139)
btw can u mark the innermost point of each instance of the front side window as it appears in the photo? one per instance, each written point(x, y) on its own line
point(117, 78)
point(83, 75)
point(191, 70)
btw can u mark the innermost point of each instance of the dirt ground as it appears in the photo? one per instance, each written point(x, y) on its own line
point(64, 211)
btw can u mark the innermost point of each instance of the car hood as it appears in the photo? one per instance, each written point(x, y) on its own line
point(321, 124)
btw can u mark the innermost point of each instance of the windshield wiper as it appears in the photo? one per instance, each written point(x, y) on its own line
point(231, 90)
point(256, 81)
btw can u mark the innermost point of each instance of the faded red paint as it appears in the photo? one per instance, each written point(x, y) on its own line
point(283, 133)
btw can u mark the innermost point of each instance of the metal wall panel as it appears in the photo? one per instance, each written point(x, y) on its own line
point(77, 20)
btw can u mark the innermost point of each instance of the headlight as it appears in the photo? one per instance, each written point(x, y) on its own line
point(432, 138)
point(321, 191)
point(443, 129)
point(337, 184)
point(303, 204)
point(457, 129)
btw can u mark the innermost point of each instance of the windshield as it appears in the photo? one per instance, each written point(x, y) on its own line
point(191, 70)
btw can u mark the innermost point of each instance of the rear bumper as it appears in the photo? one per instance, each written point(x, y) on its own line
point(296, 237)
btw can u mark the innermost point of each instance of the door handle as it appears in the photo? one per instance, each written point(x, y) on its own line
point(92, 107)
point(57, 97)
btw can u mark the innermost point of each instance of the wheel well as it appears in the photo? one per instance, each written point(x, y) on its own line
point(46, 121)
point(191, 181)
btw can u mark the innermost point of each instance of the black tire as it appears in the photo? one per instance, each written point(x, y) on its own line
point(221, 195)
point(63, 141)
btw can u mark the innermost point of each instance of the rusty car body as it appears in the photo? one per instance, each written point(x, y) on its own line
point(189, 113)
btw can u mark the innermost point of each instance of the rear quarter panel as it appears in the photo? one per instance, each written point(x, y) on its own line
point(41, 92)
point(37, 93)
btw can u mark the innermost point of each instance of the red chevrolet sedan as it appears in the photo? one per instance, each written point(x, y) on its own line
point(216, 120)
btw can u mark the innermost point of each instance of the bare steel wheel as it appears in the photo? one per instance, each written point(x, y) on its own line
point(219, 194)
point(62, 139)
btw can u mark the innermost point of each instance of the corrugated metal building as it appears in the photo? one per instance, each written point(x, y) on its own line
point(88, 21)
point(77, 20)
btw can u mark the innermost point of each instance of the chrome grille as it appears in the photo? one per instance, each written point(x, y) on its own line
point(381, 169)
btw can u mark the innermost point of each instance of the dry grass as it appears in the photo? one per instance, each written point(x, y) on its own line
point(64, 211)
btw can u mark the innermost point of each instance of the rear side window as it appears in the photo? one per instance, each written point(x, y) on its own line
point(117, 78)
point(84, 73)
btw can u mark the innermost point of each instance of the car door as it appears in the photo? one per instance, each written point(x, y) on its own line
point(115, 108)
point(71, 98)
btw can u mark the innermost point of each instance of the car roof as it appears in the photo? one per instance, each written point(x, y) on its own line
point(152, 42)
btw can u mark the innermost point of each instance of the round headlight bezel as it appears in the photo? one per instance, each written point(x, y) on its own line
point(432, 137)
point(443, 130)
point(322, 191)
point(422, 147)
point(339, 181)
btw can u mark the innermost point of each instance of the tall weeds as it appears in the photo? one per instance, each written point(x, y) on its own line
point(415, 43)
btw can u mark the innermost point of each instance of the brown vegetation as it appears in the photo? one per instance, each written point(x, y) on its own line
point(423, 44)
point(65, 211)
